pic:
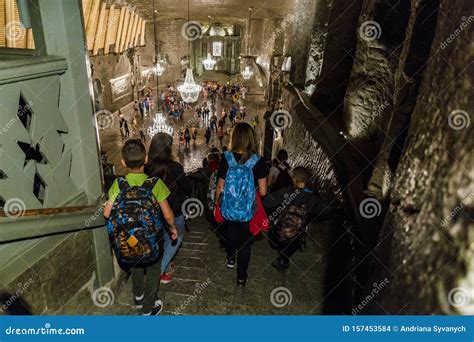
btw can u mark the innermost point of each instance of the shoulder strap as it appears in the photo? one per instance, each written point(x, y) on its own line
point(150, 183)
point(122, 183)
point(252, 161)
point(229, 156)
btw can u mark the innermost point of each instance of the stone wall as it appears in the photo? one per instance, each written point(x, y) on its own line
point(55, 278)
point(111, 66)
point(427, 250)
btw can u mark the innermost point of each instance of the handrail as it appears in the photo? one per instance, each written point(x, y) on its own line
point(56, 221)
point(49, 211)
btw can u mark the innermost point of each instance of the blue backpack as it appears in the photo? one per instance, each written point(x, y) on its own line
point(135, 225)
point(238, 198)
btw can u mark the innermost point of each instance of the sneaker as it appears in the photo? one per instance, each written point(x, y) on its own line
point(156, 309)
point(166, 278)
point(230, 263)
point(139, 301)
point(241, 282)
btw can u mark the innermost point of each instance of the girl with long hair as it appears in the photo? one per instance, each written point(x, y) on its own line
point(161, 164)
point(239, 239)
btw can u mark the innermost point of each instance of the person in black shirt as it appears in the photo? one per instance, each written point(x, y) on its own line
point(243, 145)
point(300, 196)
point(161, 164)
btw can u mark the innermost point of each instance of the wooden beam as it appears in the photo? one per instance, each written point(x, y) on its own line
point(110, 29)
point(142, 35)
point(134, 31)
point(129, 31)
point(134, 28)
point(119, 30)
point(92, 24)
point(137, 33)
point(124, 30)
point(9, 18)
point(30, 44)
point(100, 31)
point(2, 23)
point(86, 11)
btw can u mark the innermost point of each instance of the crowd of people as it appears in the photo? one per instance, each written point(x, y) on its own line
point(146, 222)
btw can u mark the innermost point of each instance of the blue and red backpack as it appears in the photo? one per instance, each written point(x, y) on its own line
point(135, 225)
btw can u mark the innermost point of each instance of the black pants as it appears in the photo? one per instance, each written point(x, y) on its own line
point(239, 246)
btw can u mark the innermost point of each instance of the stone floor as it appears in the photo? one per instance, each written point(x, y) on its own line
point(203, 285)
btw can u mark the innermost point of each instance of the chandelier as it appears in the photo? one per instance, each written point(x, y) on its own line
point(158, 69)
point(247, 73)
point(159, 126)
point(209, 63)
point(189, 90)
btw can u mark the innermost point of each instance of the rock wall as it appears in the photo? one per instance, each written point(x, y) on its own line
point(55, 278)
point(426, 249)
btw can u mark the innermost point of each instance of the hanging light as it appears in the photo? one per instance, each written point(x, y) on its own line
point(209, 62)
point(286, 65)
point(247, 73)
point(159, 126)
point(189, 90)
point(158, 69)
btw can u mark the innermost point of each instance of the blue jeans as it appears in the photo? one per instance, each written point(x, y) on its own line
point(171, 247)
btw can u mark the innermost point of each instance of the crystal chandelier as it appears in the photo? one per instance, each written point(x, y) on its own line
point(247, 73)
point(189, 90)
point(158, 69)
point(209, 63)
point(159, 126)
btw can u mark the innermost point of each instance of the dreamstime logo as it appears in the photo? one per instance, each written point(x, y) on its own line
point(280, 297)
point(369, 208)
point(458, 297)
point(191, 30)
point(104, 119)
point(465, 202)
point(21, 288)
point(370, 30)
point(14, 31)
point(14, 207)
point(192, 208)
point(199, 289)
point(464, 24)
point(459, 119)
point(103, 297)
point(377, 287)
point(281, 119)
point(288, 199)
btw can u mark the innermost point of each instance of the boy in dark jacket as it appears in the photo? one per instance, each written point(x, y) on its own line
point(290, 210)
